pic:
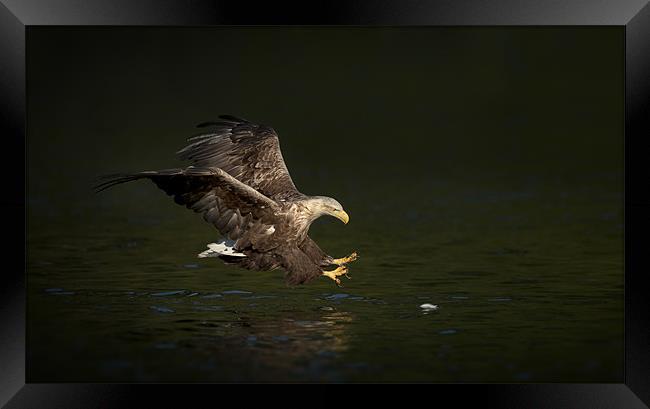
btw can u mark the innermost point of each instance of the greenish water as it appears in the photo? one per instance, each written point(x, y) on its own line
point(482, 170)
point(529, 287)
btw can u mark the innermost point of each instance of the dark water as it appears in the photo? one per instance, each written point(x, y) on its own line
point(526, 291)
point(482, 170)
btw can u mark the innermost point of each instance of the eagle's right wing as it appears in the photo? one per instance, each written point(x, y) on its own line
point(231, 206)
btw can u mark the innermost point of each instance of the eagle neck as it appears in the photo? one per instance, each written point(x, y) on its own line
point(310, 211)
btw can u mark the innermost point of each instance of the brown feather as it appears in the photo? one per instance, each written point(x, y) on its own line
point(248, 152)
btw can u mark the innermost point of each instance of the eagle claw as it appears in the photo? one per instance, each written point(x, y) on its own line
point(334, 274)
point(340, 261)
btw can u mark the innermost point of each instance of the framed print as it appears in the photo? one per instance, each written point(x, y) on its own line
point(358, 192)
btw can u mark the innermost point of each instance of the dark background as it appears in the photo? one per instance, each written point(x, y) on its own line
point(384, 103)
point(490, 159)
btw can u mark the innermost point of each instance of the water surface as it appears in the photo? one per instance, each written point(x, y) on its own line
point(519, 299)
point(482, 169)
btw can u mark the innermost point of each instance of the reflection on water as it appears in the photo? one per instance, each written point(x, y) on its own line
point(226, 336)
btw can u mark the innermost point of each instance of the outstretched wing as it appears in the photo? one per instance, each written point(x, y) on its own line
point(248, 152)
point(231, 206)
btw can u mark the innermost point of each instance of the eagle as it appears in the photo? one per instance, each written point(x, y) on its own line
point(238, 181)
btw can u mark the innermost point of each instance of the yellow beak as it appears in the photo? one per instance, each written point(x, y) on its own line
point(342, 216)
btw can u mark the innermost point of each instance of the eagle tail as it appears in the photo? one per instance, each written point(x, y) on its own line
point(222, 248)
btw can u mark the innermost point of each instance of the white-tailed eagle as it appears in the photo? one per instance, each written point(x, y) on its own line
point(239, 182)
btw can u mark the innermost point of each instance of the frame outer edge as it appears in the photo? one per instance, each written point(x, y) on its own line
point(12, 95)
point(325, 12)
point(12, 204)
point(637, 196)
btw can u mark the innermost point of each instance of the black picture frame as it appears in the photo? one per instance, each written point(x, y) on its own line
point(16, 16)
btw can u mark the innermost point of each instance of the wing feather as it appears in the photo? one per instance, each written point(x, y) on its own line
point(230, 205)
point(248, 152)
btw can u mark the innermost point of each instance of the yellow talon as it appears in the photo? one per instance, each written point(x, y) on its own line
point(334, 274)
point(340, 261)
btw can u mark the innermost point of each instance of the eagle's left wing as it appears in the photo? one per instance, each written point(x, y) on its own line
point(248, 152)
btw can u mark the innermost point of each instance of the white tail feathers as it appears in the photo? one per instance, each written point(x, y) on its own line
point(221, 248)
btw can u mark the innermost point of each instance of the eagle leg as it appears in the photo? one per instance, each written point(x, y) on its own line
point(340, 261)
point(334, 274)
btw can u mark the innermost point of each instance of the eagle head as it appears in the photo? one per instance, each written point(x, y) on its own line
point(322, 205)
